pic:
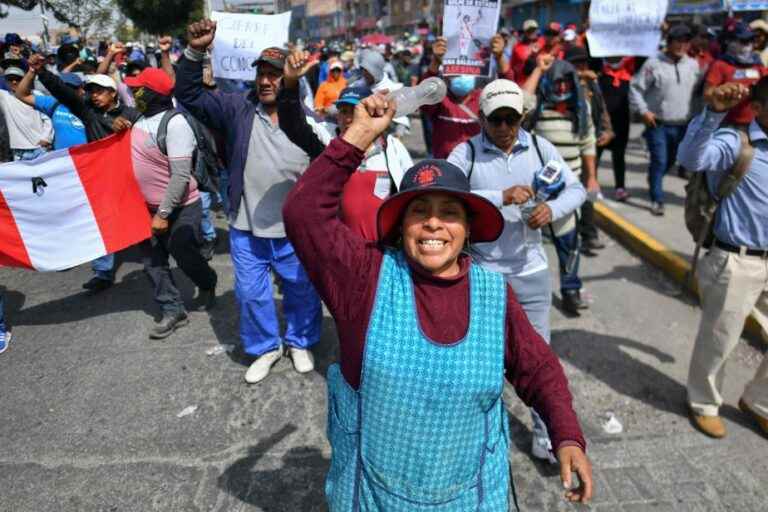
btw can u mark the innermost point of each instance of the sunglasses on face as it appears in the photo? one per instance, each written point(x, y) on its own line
point(510, 120)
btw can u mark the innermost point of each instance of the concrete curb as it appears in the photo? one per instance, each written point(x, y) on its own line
point(656, 253)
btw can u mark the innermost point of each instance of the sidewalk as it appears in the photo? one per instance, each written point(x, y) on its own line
point(662, 241)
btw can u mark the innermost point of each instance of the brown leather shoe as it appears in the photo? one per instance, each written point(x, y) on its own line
point(761, 422)
point(712, 426)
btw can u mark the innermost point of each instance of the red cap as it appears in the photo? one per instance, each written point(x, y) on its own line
point(152, 78)
point(554, 28)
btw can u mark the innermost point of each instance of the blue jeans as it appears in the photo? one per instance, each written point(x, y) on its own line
point(534, 293)
point(206, 224)
point(104, 267)
point(254, 258)
point(27, 154)
point(567, 252)
point(2, 312)
point(662, 144)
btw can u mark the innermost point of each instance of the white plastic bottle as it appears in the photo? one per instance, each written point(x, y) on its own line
point(409, 99)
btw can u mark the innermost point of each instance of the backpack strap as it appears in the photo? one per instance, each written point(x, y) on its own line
point(471, 159)
point(731, 180)
point(538, 149)
point(162, 130)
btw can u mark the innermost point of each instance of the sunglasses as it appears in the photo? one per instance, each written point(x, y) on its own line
point(510, 120)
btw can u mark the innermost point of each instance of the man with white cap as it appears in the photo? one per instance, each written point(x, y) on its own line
point(502, 164)
point(30, 132)
point(530, 43)
point(102, 113)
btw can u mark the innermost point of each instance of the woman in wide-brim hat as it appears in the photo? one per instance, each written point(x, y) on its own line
point(415, 416)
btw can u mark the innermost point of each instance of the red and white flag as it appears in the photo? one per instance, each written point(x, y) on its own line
point(71, 206)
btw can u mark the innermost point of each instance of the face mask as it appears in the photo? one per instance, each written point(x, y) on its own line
point(140, 99)
point(614, 65)
point(562, 97)
point(741, 51)
point(462, 85)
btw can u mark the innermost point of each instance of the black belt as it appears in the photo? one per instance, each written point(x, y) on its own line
point(741, 250)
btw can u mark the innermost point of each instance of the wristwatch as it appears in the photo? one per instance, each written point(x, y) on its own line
point(163, 213)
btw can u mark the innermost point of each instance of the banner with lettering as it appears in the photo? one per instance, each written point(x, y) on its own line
point(625, 27)
point(240, 38)
point(469, 25)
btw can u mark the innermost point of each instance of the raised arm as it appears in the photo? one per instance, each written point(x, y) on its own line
point(58, 89)
point(213, 109)
point(339, 261)
point(164, 44)
point(24, 90)
point(544, 61)
point(290, 114)
point(114, 50)
point(502, 63)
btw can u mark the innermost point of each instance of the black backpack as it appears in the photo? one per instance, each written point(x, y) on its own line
point(205, 164)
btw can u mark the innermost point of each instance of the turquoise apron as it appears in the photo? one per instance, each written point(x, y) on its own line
point(427, 430)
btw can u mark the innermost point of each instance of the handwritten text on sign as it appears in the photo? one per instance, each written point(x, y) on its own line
point(625, 27)
point(240, 38)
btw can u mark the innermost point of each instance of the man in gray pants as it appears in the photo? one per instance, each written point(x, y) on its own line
point(501, 163)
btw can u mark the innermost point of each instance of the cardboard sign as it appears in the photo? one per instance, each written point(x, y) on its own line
point(240, 38)
point(625, 27)
point(469, 25)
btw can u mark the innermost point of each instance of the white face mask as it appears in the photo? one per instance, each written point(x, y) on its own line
point(741, 51)
point(615, 65)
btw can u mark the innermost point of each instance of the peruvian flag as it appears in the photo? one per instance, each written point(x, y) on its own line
point(71, 206)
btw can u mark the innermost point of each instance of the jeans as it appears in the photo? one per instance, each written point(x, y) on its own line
point(224, 188)
point(182, 241)
point(254, 258)
point(534, 293)
point(206, 224)
point(619, 162)
point(662, 144)
point(568, 253)
point(104, 267)
point(27, 154)
point(2, 313)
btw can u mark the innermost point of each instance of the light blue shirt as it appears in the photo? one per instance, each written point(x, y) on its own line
point(518, 251)
point(742, 218)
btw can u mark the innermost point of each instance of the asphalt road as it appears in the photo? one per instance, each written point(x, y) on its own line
point(90, 406)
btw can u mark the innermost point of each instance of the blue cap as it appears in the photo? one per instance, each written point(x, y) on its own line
point(353, 95)
point(13, 39)
point(71, 79)
point(740, 31)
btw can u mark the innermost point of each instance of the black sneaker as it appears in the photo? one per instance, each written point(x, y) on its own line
point(205, 300)
point(572, 302)
point(96, 285)
point(657, 209)
point(208, 248)
point(592, 244)
point(169, 323)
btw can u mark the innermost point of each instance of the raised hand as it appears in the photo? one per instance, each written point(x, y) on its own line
point(439, 48)
point(116, 48)
point(297, 65)
point(36, 62)
point(372, 116)
point(727, 96)
point(165, 43)
point(497, 45)
point(200, 34)
point(544, 61)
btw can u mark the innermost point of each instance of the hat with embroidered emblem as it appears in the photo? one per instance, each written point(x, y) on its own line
point(438, 177)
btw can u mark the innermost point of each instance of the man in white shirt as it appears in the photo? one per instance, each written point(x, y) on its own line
point(31, 132)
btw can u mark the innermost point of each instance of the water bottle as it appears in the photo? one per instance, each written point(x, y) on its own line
point(429, 92)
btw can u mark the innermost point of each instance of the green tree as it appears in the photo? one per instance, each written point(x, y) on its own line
point(85, 15)
point(162, 16)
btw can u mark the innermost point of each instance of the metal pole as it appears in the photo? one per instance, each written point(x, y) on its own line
point(45, 27)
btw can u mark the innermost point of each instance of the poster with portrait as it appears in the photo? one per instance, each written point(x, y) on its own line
point(468, 26)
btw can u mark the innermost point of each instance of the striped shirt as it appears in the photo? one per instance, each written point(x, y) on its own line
point(557, 128)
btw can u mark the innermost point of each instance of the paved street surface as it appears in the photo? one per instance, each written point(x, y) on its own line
point(90, 406)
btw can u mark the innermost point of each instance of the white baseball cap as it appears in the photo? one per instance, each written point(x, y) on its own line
point(501, 93)
point(569, 35)
point(101, 80)
point(529, 24)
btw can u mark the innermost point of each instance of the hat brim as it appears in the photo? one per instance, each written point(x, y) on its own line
point(349, 101)
point(486, 225)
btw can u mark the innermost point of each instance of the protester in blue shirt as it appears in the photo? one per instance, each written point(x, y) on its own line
point(733, 274)
point(68, 129)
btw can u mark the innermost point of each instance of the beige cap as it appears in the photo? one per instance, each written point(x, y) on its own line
point(501, 93)
point(101, 80)
point(529, 24)
point(759, 25)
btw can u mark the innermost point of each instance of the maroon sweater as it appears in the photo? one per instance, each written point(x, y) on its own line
point(345, 268)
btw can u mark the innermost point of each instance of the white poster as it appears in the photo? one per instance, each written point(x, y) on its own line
point(625, 27)
point(469, 25)
point(240, 38)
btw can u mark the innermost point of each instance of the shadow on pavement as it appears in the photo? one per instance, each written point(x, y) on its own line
point(601, 356)
point(297, 484)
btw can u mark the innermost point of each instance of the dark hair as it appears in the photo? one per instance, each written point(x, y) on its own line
point(760, 91)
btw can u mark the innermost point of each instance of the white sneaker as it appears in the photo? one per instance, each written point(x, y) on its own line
point(260, 368)
point(541, 448)
point(303, 360)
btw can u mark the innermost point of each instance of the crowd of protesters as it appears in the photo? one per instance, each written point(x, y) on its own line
point(318, 188)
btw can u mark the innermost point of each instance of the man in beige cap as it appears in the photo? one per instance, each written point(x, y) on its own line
point(760, 28)
point(529, 43)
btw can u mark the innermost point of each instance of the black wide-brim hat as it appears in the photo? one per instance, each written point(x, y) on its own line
point(438, 176)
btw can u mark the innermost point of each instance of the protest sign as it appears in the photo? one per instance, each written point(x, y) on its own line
point(240, 38)
point(625, 27)
point(469, 25)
